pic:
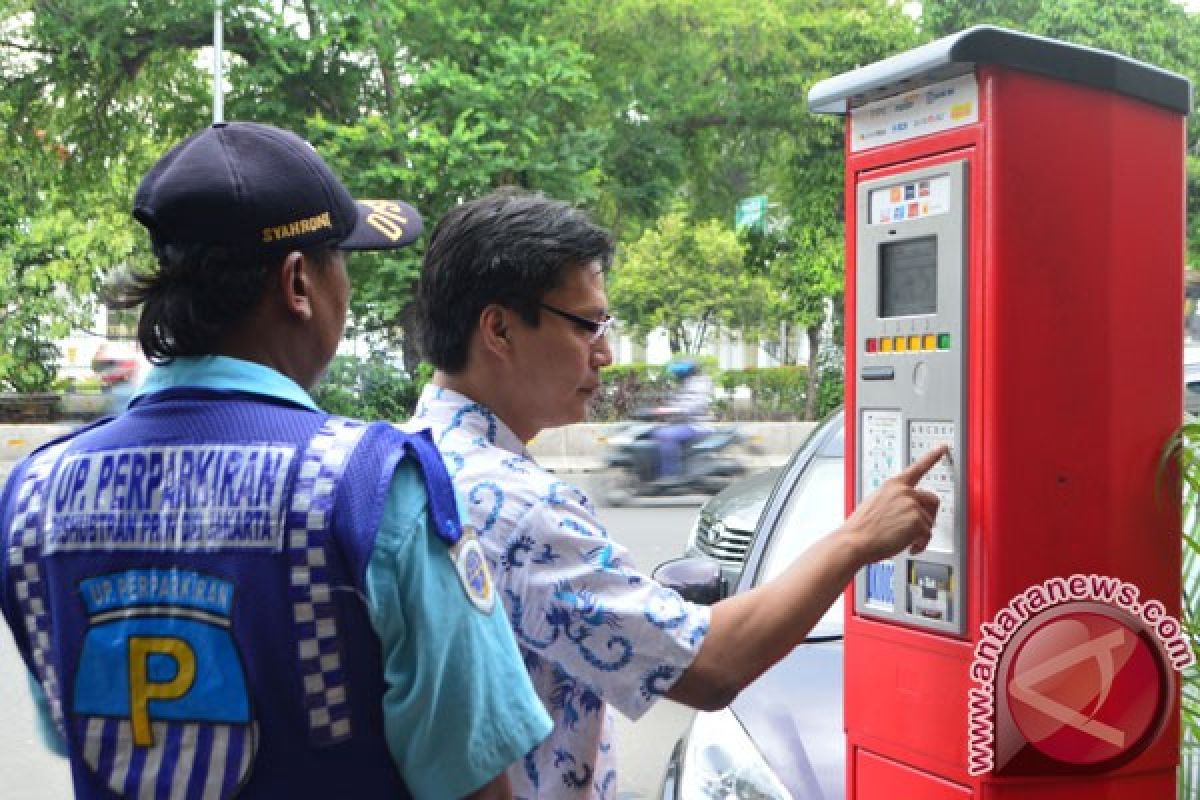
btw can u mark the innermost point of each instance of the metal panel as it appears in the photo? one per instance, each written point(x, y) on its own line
point(910, 385)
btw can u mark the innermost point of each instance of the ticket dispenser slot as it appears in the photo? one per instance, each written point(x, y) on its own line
point(911, 299)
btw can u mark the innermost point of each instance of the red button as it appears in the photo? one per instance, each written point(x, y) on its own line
point(871, 345)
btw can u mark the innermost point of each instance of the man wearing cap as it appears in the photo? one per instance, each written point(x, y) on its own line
point(225, 591)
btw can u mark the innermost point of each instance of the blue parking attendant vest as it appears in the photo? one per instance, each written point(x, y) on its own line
point(185, 582)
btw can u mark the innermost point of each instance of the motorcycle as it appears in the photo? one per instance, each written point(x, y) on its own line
point(633, 462)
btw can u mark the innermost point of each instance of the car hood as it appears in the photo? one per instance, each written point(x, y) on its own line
point(739, 506)
point(793, 714)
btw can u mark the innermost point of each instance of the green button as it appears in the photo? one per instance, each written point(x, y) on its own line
point(943, 341)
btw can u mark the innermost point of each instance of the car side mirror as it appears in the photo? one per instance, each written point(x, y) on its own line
point(697, 580)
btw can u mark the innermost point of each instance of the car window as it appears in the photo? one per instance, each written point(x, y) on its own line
point(814, 507)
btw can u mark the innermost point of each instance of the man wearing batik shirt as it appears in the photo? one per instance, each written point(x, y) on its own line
point(513, 316)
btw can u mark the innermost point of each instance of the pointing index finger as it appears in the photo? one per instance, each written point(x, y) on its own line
point(913, 473)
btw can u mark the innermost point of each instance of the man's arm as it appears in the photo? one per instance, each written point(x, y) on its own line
point(458, 704)
point(47, 731)
point(750, 632)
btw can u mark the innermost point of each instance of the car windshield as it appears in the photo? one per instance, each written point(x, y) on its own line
point(814, 507)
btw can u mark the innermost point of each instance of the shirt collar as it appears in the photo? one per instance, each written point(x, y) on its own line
point(445, 407)
point(223, 372)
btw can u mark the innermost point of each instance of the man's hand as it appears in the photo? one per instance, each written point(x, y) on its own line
point(897, 515)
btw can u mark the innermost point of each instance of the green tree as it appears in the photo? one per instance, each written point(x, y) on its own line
point(804, 265)
point(689, 278)
point(53, 246)
point(716, 111)
point(93, 92)
point(480, 97)
point(433, 101)
point(706, 99)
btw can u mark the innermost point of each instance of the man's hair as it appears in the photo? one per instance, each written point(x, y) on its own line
point(198, 293)
point(509, 247)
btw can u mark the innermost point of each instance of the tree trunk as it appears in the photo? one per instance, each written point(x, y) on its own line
point(814, 348)
point(676, 341)
point(386, 55)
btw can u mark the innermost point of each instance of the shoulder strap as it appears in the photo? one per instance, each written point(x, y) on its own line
point(438, 487)
point(309, 521)
point(314, 613)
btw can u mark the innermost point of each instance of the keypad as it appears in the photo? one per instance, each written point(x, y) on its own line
point(923, 436)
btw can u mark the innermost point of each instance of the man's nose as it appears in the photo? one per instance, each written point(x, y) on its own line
point(602, 353)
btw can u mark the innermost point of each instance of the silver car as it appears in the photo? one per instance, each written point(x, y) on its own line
point(725, 525)
point(782, 738)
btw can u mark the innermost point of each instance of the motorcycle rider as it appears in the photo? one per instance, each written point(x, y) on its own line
point(689, 405)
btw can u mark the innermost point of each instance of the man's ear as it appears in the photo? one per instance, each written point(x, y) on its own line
point(296, 284)
point(494, 329)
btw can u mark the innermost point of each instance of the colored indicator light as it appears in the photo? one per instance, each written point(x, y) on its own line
point(901, 344)
point(914, 343)
point(872, 344)
point(929, 342)
point(885, 344)
point(943, 341)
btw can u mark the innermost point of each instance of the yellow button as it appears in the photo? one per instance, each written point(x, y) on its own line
point(901, 344)
point(914, 343)
point(885, 344)
point(929, 342)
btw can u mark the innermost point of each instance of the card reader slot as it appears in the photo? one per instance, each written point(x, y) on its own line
point(878, 373)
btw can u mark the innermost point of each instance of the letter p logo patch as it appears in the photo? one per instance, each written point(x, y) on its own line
point(160, 684)
point(160, 668)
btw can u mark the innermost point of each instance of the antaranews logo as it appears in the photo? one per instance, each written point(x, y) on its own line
point(1074, 675)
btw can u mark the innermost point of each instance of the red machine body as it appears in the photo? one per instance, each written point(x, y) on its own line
point(1070, 353)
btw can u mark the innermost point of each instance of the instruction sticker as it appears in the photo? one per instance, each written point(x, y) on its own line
point(930, 109)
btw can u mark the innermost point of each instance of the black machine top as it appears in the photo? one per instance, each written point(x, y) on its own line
point(986, 44)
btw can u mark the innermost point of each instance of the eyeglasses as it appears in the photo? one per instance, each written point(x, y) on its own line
point(597, 328)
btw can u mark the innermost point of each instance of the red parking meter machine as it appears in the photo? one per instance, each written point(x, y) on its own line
point(1015, 248)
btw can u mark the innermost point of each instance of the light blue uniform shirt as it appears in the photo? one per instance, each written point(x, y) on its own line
point(459, 707)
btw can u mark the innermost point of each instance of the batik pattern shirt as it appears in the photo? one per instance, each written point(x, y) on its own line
point(594, 632)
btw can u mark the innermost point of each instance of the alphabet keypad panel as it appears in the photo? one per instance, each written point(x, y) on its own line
point(923, 436)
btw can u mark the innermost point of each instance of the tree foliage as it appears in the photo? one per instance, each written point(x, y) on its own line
point(55, 239)
point(434, 102)
point(641, 110)
point(478, 97)
point(804, 266)
point(707, 98)
point(716, 110)
point(689, 278)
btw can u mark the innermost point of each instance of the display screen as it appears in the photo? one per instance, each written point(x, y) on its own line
point(908, 277)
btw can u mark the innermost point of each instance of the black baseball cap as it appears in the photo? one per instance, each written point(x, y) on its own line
point(254, 186)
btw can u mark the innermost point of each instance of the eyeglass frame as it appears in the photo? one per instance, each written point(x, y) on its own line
point(597, 329)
